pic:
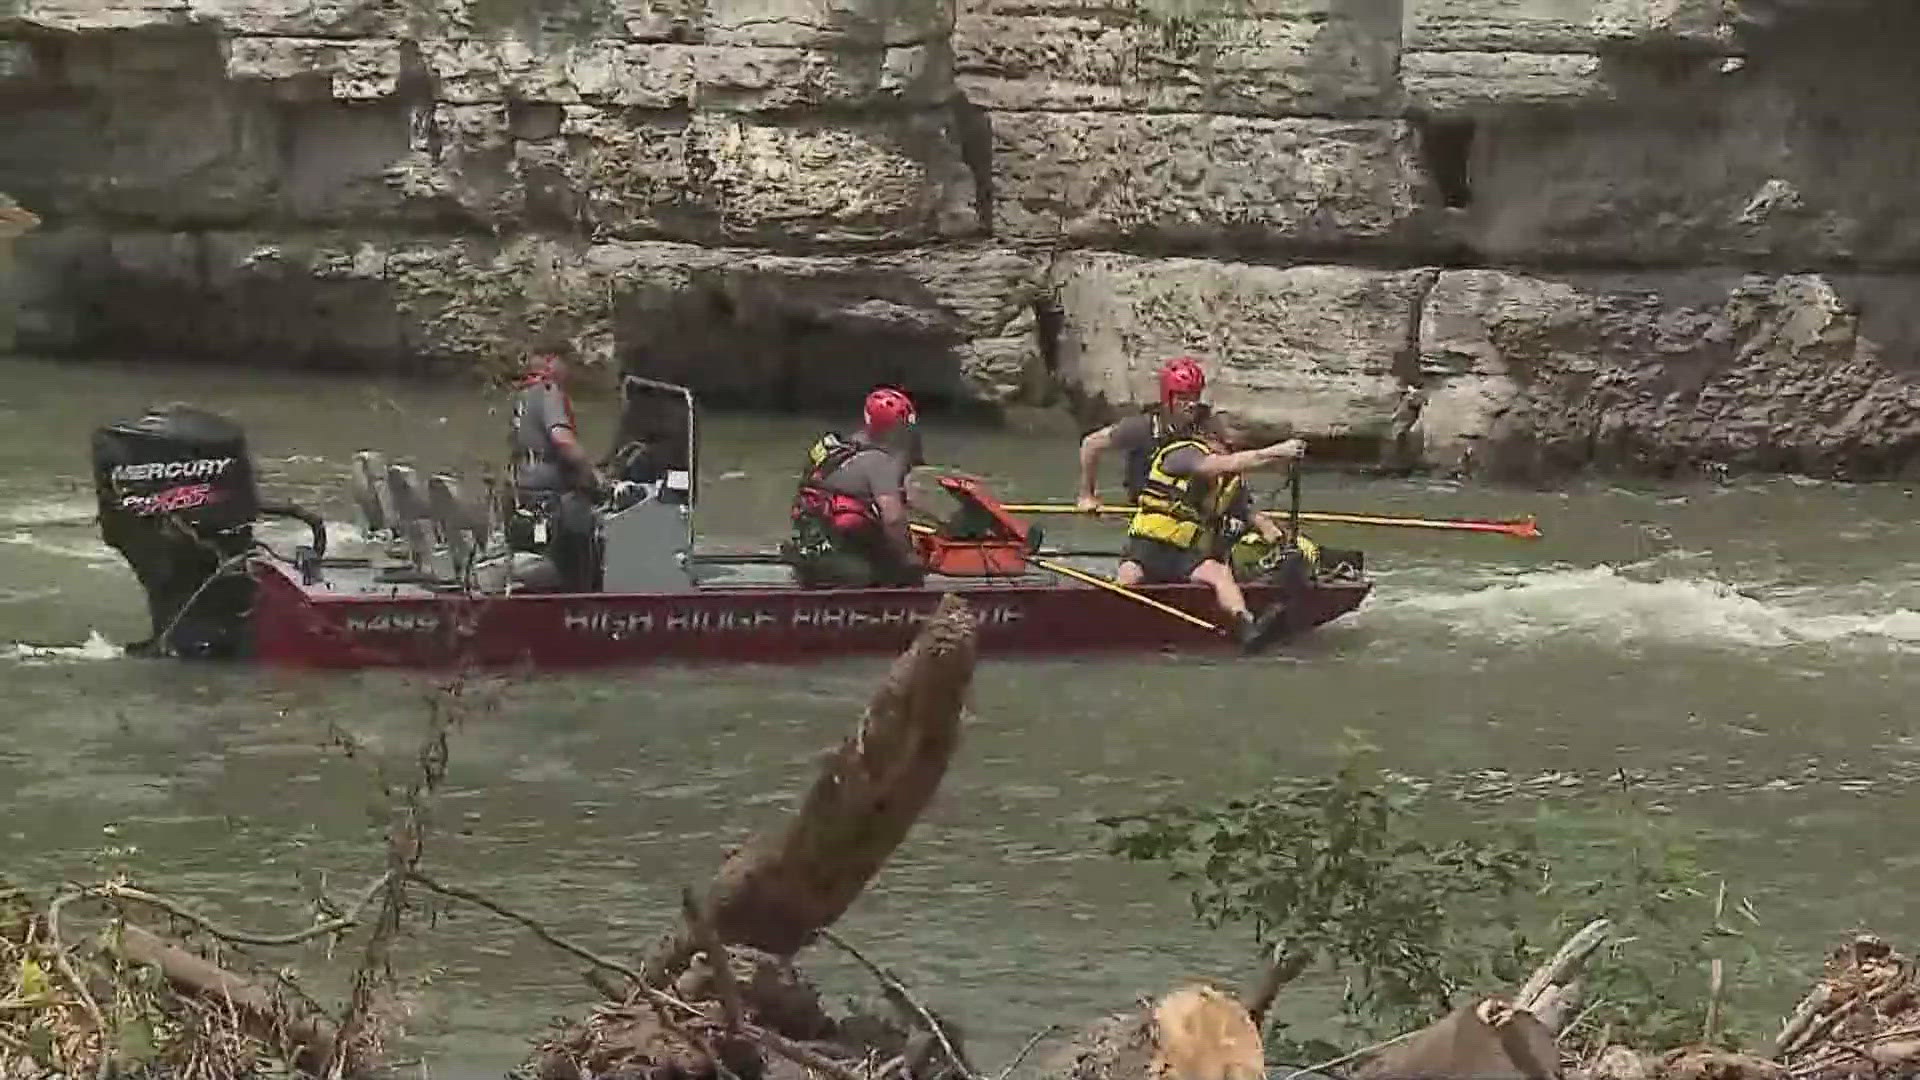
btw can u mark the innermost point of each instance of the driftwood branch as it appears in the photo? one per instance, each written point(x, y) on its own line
point(1801, 1021)
point(1566, 962)
point(701, 927)
point(346, 921)
point(785, 884)
point(312, 1036)
point(667, 1004)
point(1026, 1049)
point(903, 999)
point(65, 965)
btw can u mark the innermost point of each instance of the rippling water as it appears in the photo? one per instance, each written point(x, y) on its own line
point(1748, 652)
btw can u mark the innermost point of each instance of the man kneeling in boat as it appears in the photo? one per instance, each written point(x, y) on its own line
point(554, 481)
point(1191, 491)
point(850, 513)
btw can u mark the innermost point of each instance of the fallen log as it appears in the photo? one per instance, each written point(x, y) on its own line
point(773, 895)
point(785, 884)
point(1488, 1040)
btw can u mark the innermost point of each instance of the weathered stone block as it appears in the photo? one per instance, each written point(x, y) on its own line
point(1696, 181)
point(1116, 178)
point(190, 152)
point(826, 22)
point(1317, 348)
point(677, 76)
point(712, 177)
point(1562, 26)
point(326, 18)
point(1444, 82)
point(1665, 373)
point(1500, 25)
point(317, 302)
point(1260, 67)
point(754, 327)
point(318, 68)
point(344, 166)
point(1465, 377)
point(83, 15)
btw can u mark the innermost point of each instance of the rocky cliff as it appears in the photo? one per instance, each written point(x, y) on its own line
point(1507, 236)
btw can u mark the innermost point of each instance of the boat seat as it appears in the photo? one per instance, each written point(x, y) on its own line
point(462, 522)
point(413, 513)
point(367, 480)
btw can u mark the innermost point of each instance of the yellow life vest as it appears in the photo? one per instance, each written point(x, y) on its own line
point(1249, 554)
point(1181, 510)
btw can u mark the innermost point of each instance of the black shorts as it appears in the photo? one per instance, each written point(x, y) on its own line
point(1161, 562)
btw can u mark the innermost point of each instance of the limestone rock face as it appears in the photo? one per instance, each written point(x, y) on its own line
point(1124, 179)
point(1509, 236)
point(1316, 349)
point(1671, 373)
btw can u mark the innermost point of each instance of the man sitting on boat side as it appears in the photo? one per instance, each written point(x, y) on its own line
point(553, 478)
point(850, 513)
point(1192, 489)
point(1180, 411)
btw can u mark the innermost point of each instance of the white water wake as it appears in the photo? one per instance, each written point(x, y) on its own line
point(1601, 603)
point(65, 511)
point(95, 647)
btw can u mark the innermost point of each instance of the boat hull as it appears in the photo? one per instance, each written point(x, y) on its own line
point(309, 626)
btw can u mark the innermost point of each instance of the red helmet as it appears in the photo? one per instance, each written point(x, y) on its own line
point(887, 409)
point(1181, 376)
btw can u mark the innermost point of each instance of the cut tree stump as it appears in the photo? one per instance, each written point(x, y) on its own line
point(1194, 1033)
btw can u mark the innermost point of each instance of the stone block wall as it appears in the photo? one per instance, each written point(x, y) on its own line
point(1515, 237)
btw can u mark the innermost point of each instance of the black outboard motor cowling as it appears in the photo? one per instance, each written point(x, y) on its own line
point(178, 501)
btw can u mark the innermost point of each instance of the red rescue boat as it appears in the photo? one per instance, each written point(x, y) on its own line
point(441, 590)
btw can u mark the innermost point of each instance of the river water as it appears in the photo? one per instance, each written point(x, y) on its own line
point(1750, 651)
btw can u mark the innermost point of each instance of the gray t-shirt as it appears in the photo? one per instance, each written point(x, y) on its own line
point(538, 409)
point(1136, 432)
point(872, 472)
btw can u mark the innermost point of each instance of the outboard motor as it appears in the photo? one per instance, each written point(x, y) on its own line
point(178, 501)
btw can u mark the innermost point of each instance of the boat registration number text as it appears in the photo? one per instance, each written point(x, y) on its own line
point(613, 622)
point(619, 623)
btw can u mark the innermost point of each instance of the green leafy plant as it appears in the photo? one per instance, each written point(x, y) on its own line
point(1329, 870)
point(1352, 872)
point(1673, 917)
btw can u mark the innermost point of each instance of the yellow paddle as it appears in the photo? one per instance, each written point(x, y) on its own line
point(1525, 528)
point(1111, 586)
point(1115, 587)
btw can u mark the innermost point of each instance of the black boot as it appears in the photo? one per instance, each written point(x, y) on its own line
point(1253, 633)
point(1246, 630)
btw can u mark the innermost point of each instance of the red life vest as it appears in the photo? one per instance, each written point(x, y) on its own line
point(842, 513)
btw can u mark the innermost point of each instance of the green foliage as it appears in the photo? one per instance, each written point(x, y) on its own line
point(1351, 871)
point(1330, 869)
point(1673, 917)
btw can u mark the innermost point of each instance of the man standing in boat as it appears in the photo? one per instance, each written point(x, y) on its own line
point(850, 512)
point(554, 480)
point(1179, 412)
point(1191, 491)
